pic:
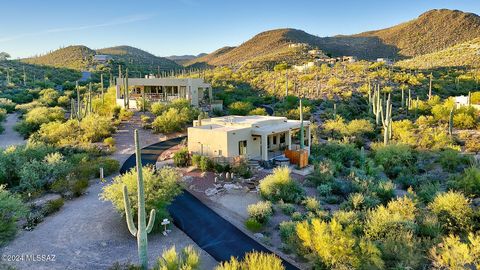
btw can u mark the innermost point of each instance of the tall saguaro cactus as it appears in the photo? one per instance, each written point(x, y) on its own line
point(430, 87)
point(79, 102)
point(302, 140)
point(387, 120)
point(450, 122)
point(142, 228)
point(101, 88)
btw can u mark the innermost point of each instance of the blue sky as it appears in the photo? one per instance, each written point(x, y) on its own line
point(167, 27)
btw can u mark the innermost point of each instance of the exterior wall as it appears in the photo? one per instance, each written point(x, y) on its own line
point(208, 142)
point(253, 143)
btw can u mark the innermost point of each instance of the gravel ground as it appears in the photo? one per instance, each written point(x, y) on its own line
point(88, 234)
point(10, 136)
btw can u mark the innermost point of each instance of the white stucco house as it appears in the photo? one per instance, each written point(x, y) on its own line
point(253, 137)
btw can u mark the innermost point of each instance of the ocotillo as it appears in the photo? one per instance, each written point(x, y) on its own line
point(143, 228)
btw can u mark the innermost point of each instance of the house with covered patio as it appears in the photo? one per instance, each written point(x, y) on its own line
point(163, 90)
point(252, 137)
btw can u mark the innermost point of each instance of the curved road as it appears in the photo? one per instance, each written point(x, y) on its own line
point(209, 230)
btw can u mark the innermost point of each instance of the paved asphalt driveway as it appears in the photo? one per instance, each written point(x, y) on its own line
point(211, 232)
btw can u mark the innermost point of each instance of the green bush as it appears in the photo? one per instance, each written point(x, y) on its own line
point(451, 160)
point(253, 225)
point(170, 260)
point(394, 158)
point(95, 128)
point(12, 209)
point(160, 187)
point(280, 186)
point(253, 260)
point(452, 253)
point(181, 158)
point(468, 182)
point(79, 186)
point(7, 104)
point(336, 247)
point(287, 208)
point(240, 108)
point(53, 206)
point(311, 204)
point(205, 164)
point(258, 111)
point(324, 172)
point(196, 160)
point(38, 116)
point(260, 211)
point(110, 142)
point(158, 108)
point(453, 211)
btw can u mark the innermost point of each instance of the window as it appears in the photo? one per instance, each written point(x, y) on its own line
point(274, 139)
point(282, 137)
point(242, 148)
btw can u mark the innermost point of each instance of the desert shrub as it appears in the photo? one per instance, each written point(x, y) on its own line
point(385, 191)
point(159, 187)
point(452, 253)
point(451, 160)
point(336, 247)
point(181, 158)
point(359, 201)
point(253, 260)
point(242, 169)
point(53, 206)
point(196, 160)
point(311, 204)
point(453, 211)
point(11, 210)
point(109, 141)
point(240, 108)
point(78, 187)
point(280, 186)
point(95, 128)
point(168, 122)
point(344, 154)
point(109, 165)
point(286, 208)
point(402, 250)
point(324, 190)
point(260, 211)
point(158, 108)
point(3, 114)
point(7, 104)
point(258, 111)
point(171, 260)
point(253, 225)
point(428, 191)
point(205, 164)
point(464, 121)
point(288, 234)
point(398, 215)
point(468, 182)
point(394, 158)
point(38, 116)
point(58, 133)
point(324, 173)
point(404, 132)
point(124, 266)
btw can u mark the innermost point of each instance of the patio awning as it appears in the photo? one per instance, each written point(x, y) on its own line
point(273, 129)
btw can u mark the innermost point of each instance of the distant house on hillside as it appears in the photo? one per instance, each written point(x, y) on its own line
point(349, 59)
point(154, 89)
point(297, 45)
point(387, 61)
point(304, 67)
point(101, 58)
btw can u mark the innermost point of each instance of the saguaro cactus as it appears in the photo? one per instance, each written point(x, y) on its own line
point(387, 120)
point(430, 87)
point(101, 88)
point(302, 140)
point(127, 94)
point(143, 228)
point(286, 83)
point(450, 122)
point(79, 103)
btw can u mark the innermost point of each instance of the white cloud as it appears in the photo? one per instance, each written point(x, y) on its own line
point(118, 21)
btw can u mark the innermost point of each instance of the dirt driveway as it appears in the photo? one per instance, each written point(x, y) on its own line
point(88, 234)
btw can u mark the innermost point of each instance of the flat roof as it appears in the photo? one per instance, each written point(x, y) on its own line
point(164, 81)
point(259, 124)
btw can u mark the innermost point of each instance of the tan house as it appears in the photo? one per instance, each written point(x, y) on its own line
point(253, 137)
point(164, 90)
